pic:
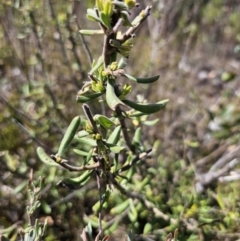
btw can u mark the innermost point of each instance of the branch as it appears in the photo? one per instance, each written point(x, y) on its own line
point(226, 158)
point(89, 55)
point(213, 155)
point(146, 203)
point(63, 163)
point(134, 161)
point(124, 129)
point(88, 114)
point(133, 29)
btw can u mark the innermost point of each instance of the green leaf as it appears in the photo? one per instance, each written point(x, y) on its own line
point(45, 158)
point(133, 212)
point(104, 121)
point(20, 187)
point(108, 9)
point(147, 108)
point(126, 21)
point(147, 228)
point(115, 136)
point(120, 208)
point(99, 4)
point(137, 136)
point(97, 65)
point(151, 122)
point(82, 133)
point(69, 135)
point(122, 63)
point(89, 156)
point(120, 5)
point(81, 153)
point(86, 140)
point(92, 15)
point(147, 80)
point(136, 114)
point(82, 98)
point(105, 20)
point(91, 32)
point(112, 100)
point(227, 76)
point(117, 149)
point(77, 182)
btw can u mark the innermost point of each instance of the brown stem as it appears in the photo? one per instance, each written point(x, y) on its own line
point(124, 129)
point(88, 114)
point(71, 168)
point(134, 161)
point(133, 29)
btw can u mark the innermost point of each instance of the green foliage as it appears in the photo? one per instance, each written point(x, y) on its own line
point(43, 64)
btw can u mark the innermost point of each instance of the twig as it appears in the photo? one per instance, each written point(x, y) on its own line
point(117, 25)
point(89, 115)
point(45, 73)
point(86, 48)
point(134, 161)
point(54, 101)
point(40, 49)
point(71, 195)
point(63, 48)
point(124, 129)
point(17, 111)
point(133, 29)
point(108, 50)
point(74, 45)
point(213, 155)
point(211, 176)
point(100, 200)
point(25, 130)
point(71, 168)
point(225, 159)
point(230, 178)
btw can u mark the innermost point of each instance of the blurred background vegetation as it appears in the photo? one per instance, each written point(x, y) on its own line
point(194, 173)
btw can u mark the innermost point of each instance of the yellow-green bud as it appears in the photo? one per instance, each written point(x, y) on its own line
point(130, 3)
point(113, 66)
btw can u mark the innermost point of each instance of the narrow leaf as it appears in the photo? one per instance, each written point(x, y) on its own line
point(89, 156)
point(105, 20)
point(97, 65)
point(82, 98)
point(112, 100)
point(104, 121)
point(77, 182)
point(87, 141)
point(92, 15)
point(69, 135)
point(80, 152)
point(146, 108)
point(147, 80)
point(91, 32)
point(137, 136)
point(45, 158)
point(151, 122)
point(82, 133)
point(117, 149)
point(115, 136)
